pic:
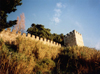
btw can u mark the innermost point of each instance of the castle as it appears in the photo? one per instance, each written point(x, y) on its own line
point(73, 38)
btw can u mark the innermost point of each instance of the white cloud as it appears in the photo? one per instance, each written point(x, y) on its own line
point(59, 5)
point(56, 20)
point(57, 12)
point(98, 45)
point(56, 17)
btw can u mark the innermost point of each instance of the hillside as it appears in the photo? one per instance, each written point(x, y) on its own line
point(33, 57)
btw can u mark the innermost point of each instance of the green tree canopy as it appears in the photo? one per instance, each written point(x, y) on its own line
point(58, 38)
point(39, 30)
point(6, 7)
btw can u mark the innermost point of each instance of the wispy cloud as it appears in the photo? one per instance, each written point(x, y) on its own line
point(57, 12)
point(60, 5)
point(56, 18)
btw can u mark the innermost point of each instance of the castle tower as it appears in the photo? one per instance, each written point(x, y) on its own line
point(73, 38)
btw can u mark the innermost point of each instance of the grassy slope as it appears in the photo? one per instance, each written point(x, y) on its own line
point(30, 57)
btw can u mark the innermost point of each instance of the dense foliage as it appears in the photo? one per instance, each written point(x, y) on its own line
point(32, 57)
point(78, 60)
point(28, 57)
point(6, 7)
point(39, 30)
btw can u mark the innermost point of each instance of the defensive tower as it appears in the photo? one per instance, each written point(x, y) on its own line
point(73, 38)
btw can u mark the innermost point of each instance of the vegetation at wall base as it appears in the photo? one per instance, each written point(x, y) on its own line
point(33, 57)
point(27, 57)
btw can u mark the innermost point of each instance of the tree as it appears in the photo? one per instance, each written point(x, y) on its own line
point(58, 38)
point(6, 7)
point(39, 30)
point(20, 25)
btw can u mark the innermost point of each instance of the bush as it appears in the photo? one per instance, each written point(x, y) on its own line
point(44, 65)
point(75, 60)
point(27, 56)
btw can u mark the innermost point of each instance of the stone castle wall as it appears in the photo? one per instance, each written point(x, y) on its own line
point(73, 38)
point(9, 36)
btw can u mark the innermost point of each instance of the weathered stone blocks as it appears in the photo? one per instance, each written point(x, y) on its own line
point(73, 38)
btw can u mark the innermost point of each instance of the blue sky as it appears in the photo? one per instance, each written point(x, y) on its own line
point(63, 16)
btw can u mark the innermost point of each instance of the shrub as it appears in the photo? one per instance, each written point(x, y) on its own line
point(27, 56)
point(44, 65)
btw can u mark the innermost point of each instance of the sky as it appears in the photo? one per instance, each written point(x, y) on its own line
point(63, 16)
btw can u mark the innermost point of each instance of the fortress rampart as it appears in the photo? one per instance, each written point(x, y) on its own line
point(73, 38)
point(9, 36)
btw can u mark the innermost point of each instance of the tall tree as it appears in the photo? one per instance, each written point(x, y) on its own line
point(6, 7)
point(20, 25)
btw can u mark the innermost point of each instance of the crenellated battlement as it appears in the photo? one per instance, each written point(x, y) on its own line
point(8, 35)
point(73, 38)
point(72, 33)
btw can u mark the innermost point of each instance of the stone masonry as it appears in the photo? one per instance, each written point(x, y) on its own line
point(10, 37)
point(73, 38)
